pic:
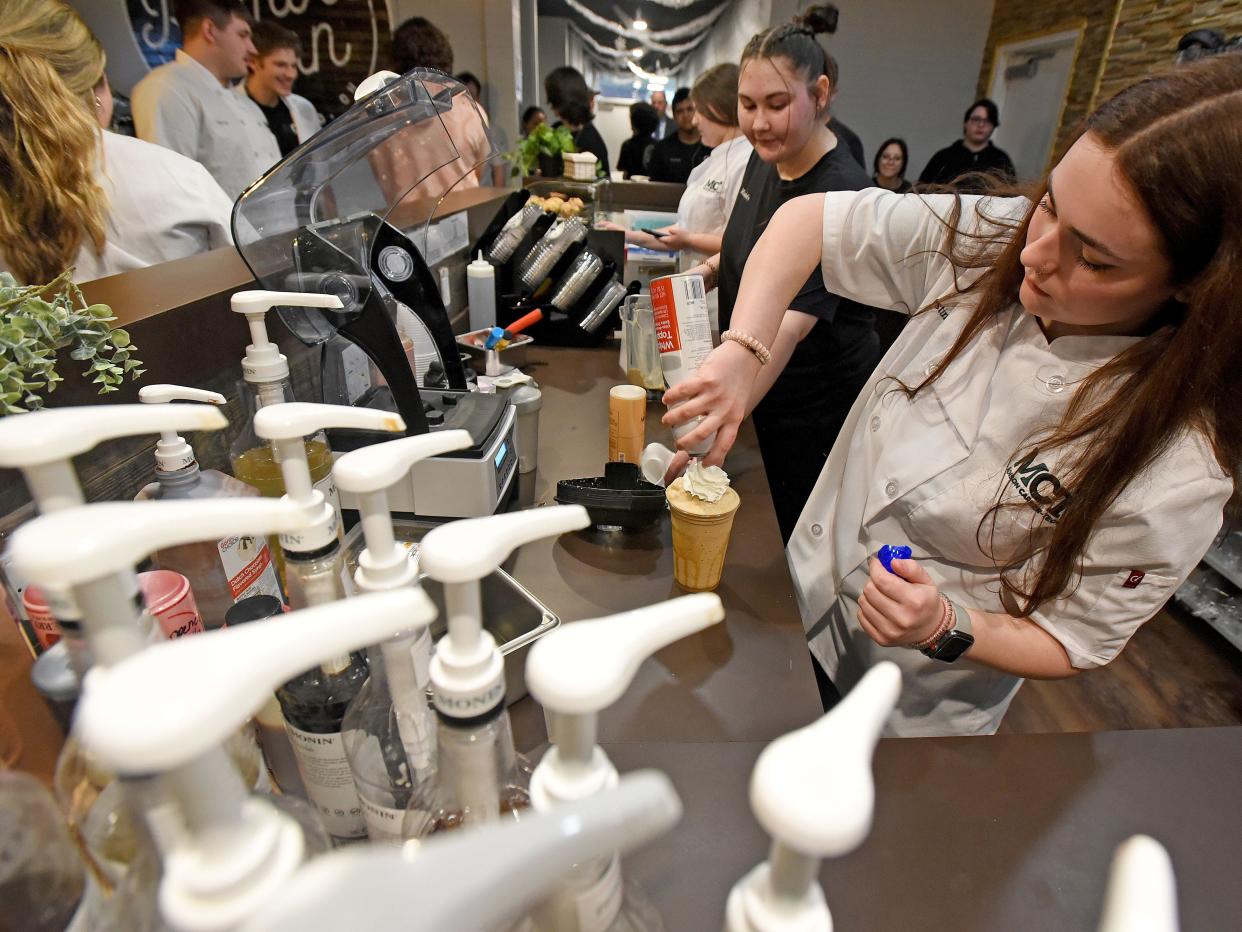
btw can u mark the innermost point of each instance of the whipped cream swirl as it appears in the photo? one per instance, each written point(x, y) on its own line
point(707, 483)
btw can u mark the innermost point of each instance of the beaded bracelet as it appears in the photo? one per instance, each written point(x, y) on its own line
point(948, 620)
point(762, 353)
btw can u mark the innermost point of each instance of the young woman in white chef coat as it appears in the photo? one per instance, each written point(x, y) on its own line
point(76, 195)
point(1056, 432)
point(704, 208)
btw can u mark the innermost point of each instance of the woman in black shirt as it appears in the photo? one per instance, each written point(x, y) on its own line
point(889, 167)
point(636, 151)
point(571, 100)
point(826, 347)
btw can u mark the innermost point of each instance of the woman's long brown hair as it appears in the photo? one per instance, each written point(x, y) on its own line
point(1176, 138)
point(50, 200)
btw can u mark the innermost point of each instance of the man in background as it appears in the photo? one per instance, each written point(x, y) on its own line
point(187, 105)
point(273, 69)
point(666, 126)
point(673, 157)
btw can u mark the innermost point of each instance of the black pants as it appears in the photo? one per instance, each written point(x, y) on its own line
point(829, 695)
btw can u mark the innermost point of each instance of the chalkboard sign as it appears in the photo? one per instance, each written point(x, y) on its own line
point(343, 41)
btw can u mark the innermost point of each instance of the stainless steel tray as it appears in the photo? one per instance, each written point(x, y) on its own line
point(511, 613)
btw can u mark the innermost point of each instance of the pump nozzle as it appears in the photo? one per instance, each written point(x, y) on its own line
point(470, 549)
point(1142, 891)
point(172, 452)
point(372, 83)
point(368, 473)
point(223, 676)
point(82, 544)
point(580, 669)
point(42, 443)
point(286, 426)
point(467, 671)
point(469, 880)
point(263, 361)
point(813, 792)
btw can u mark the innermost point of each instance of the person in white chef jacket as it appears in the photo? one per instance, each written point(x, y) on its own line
point(273, 69)
point(188, 104)
point(704, 208)
point(85, 197)
point(1055, 434)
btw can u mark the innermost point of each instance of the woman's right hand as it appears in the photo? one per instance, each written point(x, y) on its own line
point(720, 392)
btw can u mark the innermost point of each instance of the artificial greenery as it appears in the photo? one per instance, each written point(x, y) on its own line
point(36, 322)
point(542, 140)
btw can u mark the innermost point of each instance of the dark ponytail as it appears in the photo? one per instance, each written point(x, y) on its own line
point(796, 43)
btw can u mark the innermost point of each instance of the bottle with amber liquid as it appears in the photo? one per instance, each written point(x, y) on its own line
point(265, 372)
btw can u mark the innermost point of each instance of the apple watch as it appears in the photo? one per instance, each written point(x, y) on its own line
point(954, 642)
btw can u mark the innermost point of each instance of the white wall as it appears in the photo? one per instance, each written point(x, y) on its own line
point(907, 69)
point(728, 37)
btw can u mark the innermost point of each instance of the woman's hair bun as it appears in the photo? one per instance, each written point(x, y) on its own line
point(819, 18)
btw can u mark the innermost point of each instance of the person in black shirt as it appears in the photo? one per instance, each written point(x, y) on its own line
point(572, 101)
point(888, 170)
point(826, 347)
point(636, 151)
point(974, 153)
point(675, 156)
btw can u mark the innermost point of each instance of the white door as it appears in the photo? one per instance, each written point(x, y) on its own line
point(1029, 88)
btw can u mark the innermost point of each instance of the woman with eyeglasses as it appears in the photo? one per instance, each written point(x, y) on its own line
point(973, 154)
point(888, 170)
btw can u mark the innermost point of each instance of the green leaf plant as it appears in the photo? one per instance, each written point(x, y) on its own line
point(37, 322)
point(543, 140)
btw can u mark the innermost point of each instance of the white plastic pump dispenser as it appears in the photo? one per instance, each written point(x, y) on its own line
point(223, 571)
point(42, 445)
point(472, 880)
point(285, 425)
point(575, 672)
point(234, 853)
point(481, 293)
point(389, 729)
point(263, 362)
point(479, 776)
point(171, 451)
point(813, 792)
point(1142, 891)
point(266, 382)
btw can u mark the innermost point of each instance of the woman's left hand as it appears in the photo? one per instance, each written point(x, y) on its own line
point(900, 608)
point(675, 238)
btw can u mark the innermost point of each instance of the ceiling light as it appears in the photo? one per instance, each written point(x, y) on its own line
point(640, 24)
point(637, 53)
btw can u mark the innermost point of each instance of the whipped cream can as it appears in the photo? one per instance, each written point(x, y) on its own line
point(683, 335)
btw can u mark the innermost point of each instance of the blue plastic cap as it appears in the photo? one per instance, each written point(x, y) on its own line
point(890, 552)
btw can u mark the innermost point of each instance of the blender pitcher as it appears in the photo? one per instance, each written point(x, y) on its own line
point(642, 353)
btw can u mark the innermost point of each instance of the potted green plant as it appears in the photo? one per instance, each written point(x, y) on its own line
point(541, 149)
point(37, 322)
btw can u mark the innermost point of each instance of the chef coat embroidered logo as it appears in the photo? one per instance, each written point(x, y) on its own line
point(715, 185)
point(1133, 580)
point(1038, 486)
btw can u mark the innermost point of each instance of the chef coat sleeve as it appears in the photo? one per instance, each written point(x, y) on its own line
point(886, 250)
point(172, 121)
point(1135, 560)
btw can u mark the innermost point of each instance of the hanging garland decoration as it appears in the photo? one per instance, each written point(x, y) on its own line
point(609, 57)
point(647, 38)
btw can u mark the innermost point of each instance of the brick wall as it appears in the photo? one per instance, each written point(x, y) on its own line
point(1148, 31)
point(1013, 20)
point(1122, 41)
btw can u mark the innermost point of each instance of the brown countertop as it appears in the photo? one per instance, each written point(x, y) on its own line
point(1010, 832)
point(746, 679)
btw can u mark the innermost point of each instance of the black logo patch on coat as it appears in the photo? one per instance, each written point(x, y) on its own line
point(1037, 485)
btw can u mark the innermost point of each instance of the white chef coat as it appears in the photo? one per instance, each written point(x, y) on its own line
point(924, 472)
point(710, 192)
point(182, 106)
point(306, 119)
point(161, 206)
